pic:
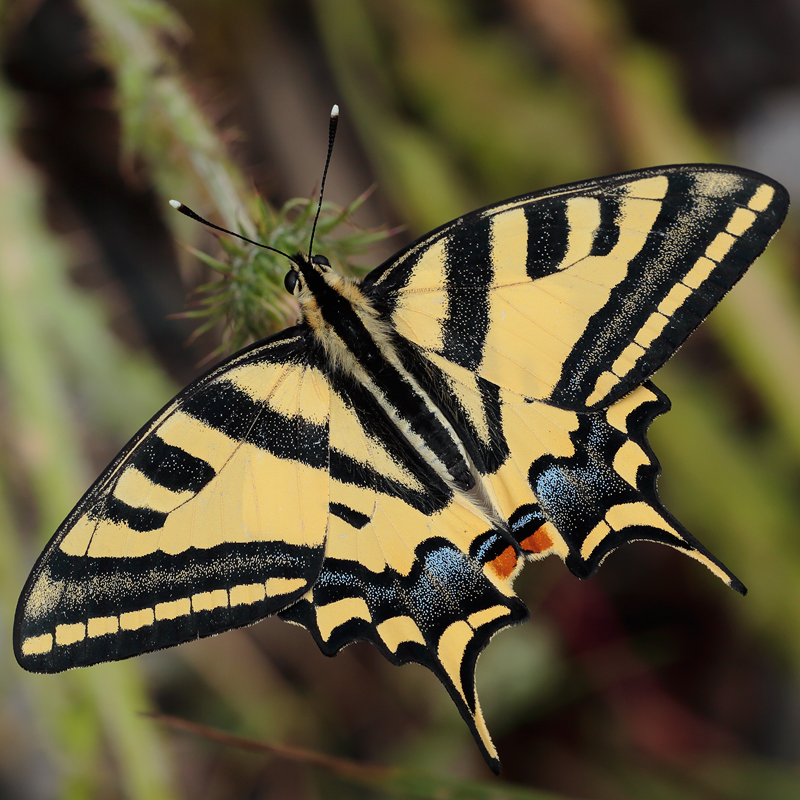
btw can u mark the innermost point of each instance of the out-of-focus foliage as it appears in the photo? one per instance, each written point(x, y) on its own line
point(650, 681)
point(247, 300)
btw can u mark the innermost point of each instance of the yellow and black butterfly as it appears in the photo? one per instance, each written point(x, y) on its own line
point(381, 470)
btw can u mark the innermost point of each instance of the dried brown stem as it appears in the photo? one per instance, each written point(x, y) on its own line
point(341, 766)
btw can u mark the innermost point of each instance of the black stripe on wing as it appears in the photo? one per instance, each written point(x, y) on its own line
point(606, 237)
point(171, 467)
point(548, 237)
point(468, 268)
point(88, 589)
point(230, 410)
point(487, 455)
point(687, 224)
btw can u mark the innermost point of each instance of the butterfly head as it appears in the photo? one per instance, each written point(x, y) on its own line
point(304, 271)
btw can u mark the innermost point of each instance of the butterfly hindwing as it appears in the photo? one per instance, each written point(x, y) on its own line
point(577, 295)
point(597, 490)
point(213, 517)
point(410, 565)
point(577, 484)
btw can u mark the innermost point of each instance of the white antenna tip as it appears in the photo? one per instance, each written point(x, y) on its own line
point(335, 111)
point(175, 204)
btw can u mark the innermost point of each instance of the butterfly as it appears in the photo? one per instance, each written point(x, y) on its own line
point(381, 470)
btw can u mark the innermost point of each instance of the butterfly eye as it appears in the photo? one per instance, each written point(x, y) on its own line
point(290, 281)
point(321, 261)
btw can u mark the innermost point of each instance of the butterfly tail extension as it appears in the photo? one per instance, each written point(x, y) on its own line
point(210, 519)
point(608, 484)
point(442, 614)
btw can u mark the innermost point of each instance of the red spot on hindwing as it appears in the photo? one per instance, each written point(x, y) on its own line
point(505, 563)
point(538, 542)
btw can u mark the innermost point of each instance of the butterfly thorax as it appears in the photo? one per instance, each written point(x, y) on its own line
point(357, 342)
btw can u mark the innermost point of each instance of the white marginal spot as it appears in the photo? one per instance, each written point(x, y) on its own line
point(651, 330)
point(605, 383)
point(133, 620)
point(719, 248)
point(396, 630)
point(101, 626)
point(37, 645)
point(208, 601)
point(674, 300)
point(618, 413)
point(247, 594)
point(762, 198)
point(699, 272)
point(332, 615)
point(70, 634)
point(276, 586)
point(627, 461)
point(627, 359)
point(741, 220)
point(478, 618)
point(173, 608)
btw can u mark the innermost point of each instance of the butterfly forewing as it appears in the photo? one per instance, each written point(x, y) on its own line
point(577, 295)
point(214, 517)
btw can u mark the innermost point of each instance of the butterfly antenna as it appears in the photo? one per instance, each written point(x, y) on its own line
point(331, 136)
point(178, 206)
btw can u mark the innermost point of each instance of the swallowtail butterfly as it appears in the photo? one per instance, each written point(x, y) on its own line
point(382, 470)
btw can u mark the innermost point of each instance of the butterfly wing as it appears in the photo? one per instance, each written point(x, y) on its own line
point(533, 321)
point(213, 517)
point(410, 565)
point(272, 486)
point(578, 484)
point(577, 295)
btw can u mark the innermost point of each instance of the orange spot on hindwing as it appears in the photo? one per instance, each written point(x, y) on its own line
point(505, 563)
point(538, 542)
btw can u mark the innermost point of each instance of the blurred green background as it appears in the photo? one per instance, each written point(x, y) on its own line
point(652, 680)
